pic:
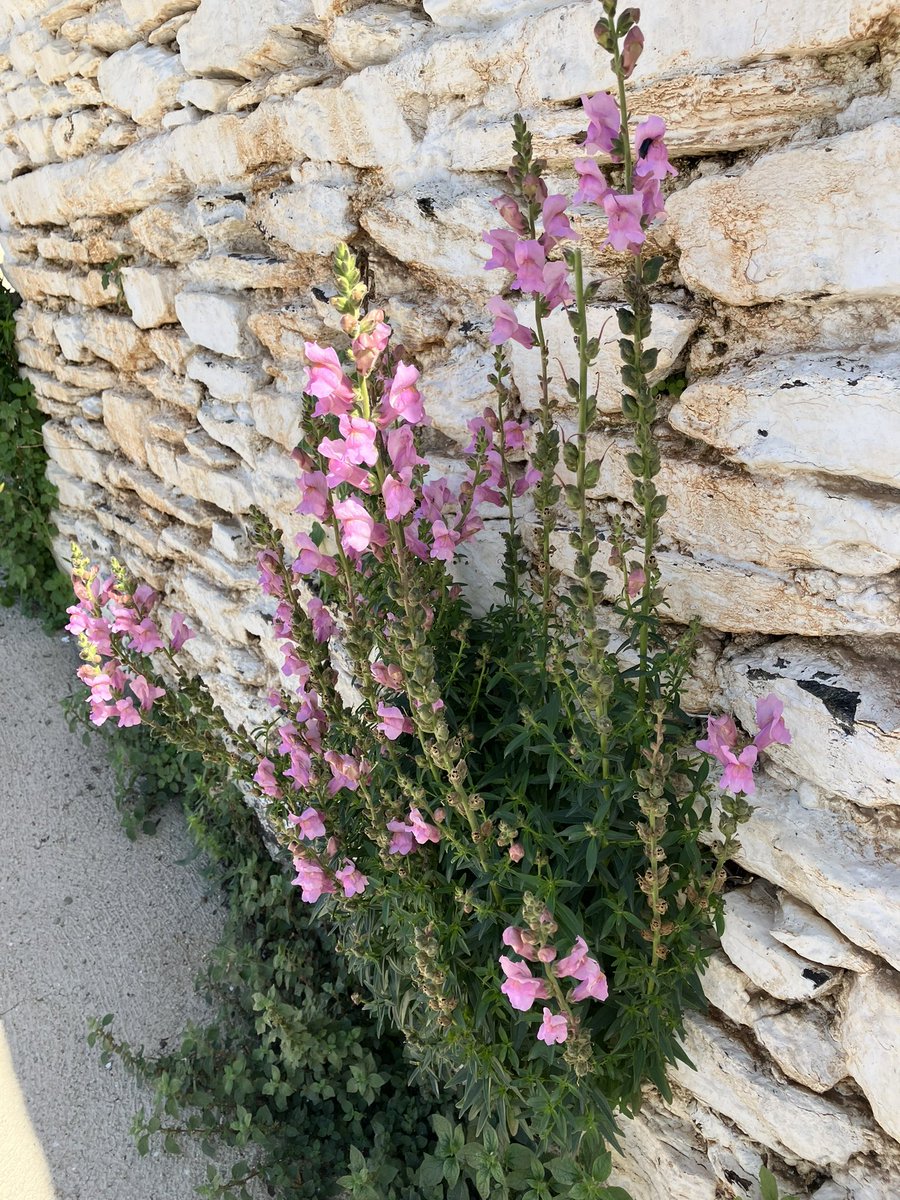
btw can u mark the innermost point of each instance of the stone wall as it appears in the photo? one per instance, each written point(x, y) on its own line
point(217, 149)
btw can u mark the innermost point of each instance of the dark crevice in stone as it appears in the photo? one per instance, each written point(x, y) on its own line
point(840, 702)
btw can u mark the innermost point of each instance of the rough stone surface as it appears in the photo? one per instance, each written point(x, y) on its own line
point(216, 150)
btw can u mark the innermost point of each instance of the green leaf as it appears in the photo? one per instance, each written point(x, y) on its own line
point(768, 1184)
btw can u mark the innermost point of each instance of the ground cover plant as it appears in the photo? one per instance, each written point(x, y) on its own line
point(502, 818)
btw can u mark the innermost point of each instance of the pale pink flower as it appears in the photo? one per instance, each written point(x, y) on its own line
point(269, 577)
point(593, 983)
point(631, 50)
point(516, 852)
point(314, 495)
point(402, 842)
point(399, 498)
point(521, 988)
point(509, 210)
point(592, 185)
point(325, 379)
point(444, 541)
point(554, 1028)
point(359, 440)
point(127, 713)
point(311, 558)
point(351, 879)
point(652, 155)
point(145, 637)
point(323, 625)
point(557, 226)
point(772, 728)
point(393, 721)
point(422, 831)
point(265, 777)
point(389, 675)
point(309, 823)
point(101, 712)
point(357, 525)
point(313, 881)
point(401, 448)
point(300, 770)
point(503, 243)
point(144, 598)
point(546, 954)
point(652, 203)
point(371, 341)
point(604, 122)
point(573, 963)
point(507, 326)
point(556, 290)
point(345, 771)
point(624, 214)
point(403, 401)
point(145, 692)
point(513, 937)
point(721, 735)
point(738, 774)
point(636, 581)
point(530, 260)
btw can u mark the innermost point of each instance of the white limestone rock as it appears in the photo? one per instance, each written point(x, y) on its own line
point(808, 934)
point(231, 491)
point(276, 415)
point(232, 382)
point(125, 415)
point(803, 1045)
point(843, 712)
point(869, 1033)
point(824, 857)
point(310, 218)
point(732, 992)
point(792, 1121)
point(215, 321)
point(745, 239)
point(150, 294)
point(71, 454)
point(209, 95)
point(661, 1158)
point(142, 81)
point(750, 913)
point(769, 415)
point(243, 40)
point(144, 15)
point(374, 34)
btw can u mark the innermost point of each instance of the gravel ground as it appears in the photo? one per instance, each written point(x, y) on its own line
point(90, 923)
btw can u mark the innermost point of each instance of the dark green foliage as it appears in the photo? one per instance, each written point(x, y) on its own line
point(28, 573)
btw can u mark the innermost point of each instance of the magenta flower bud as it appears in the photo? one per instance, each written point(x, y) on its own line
point(631, 50)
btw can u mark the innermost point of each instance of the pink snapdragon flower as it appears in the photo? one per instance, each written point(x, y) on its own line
point(557, 226)
point(509, 210)
point(322, 622)
point(402, 841)
point(393, 721)
point(309, 823)
point(521, 988)
point(313, 881)
point(403, 401)
point(311, 558)
point(371, 341)
point(578, 964)
point(530, 260)
point(313, 495)
point(772, 729)
point(624, 214)
point(503, 243)
point(592, 185)
point(269, 579)
point(507, 326)
point(652, 155)
point(325, 379)
point(632, 48)
point(554, 1028)
point(604, 122)
point(721, 735)
point(388, 675)
point(127, 713)
point(145, 637)
point(146, 692)
point(300, 771)
point(359, 529)
point(421, 830)
point(401, 447)
point(181, 632)
point(555, 285)
point(351, 879)
point(738, 774)
point(265, 777)
point(516, 852)
point(346, 771)
point(399, 498)
point(635, 583)
point(514, 937)
point(445, 541)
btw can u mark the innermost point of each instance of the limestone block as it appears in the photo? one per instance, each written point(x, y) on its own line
point(150, 294)
point(671, 328)
point(169, 232)
point(130, 531)
point(165, 385)
point(802, 1044)
point(90, 431)
point(843, 712)
point(374, 34)
point(732, 993)
point(808, 934)
point(229, 538)
point(463, 14)
point(11, 163)
point(209, 451)
point(283, 331)
point(434, 231)
point(745, 239)
point(771, 415)
point(209, 95)
point(310, 218)
point(72, 490)
point(73, 455)
point(142, 81)
point(145, 15)
point(311, 71)
point(234, 427)
point(223, 38)
point(779, 524)
point(242, 272)
point(750, 913)
point(35, 139)
point(160, 496)
point(58, 14)
point(169, 426)
point(107, 29)
point(455, 389)
point(869, 1032)
point(792, 1121)
point(231, 491)
point(165, 34)
point(77, 133)
point(116, 340)
point(277, 416)
point(216, 610)
point(661, 1158)
point(825, 857)
point(232, 382)
point(215, 321)
point(172, 347)
point(125, 415)
point(736, 598)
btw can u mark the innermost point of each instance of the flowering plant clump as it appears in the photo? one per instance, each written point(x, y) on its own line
point(502, 815)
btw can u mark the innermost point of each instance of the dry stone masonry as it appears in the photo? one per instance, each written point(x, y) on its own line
point(209, 153)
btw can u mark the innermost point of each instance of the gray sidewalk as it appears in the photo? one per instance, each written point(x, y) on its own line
point(89, 923)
